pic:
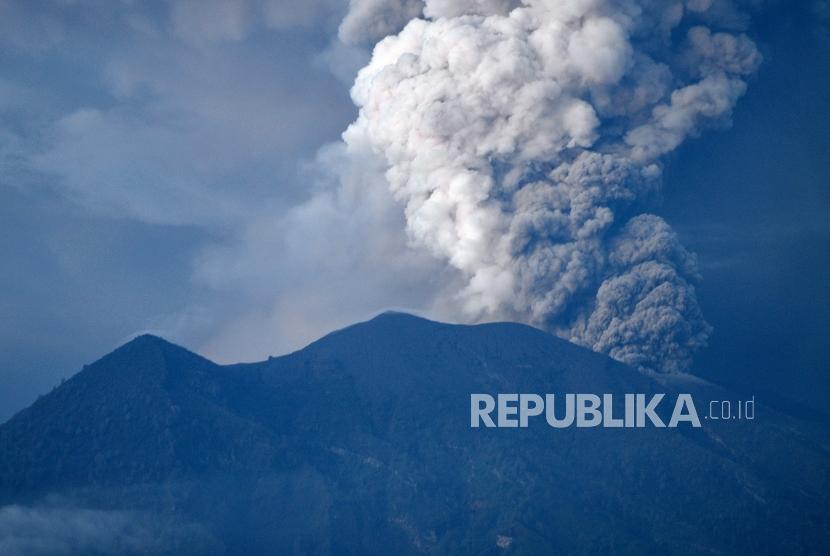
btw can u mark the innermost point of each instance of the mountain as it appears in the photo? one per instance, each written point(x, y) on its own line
point(361, 444)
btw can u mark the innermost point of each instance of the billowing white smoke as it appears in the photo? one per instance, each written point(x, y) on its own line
point(370, 20)
point(521, 136)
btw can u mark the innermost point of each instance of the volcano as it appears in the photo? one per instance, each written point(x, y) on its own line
point(361, 443)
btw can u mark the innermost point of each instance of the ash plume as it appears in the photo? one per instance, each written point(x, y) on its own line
point(524, 140)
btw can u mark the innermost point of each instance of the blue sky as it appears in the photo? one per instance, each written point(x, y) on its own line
point(753, 203)
point(150, 153)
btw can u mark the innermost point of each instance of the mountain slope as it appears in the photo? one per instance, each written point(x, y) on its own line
point(360, 443)
point(143, 413)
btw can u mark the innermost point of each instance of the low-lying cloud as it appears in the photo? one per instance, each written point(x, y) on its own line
point(55, 531)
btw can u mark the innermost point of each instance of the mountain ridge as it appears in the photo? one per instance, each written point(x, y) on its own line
point(362, 439)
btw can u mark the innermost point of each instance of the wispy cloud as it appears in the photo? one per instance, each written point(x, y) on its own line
point(54, 531)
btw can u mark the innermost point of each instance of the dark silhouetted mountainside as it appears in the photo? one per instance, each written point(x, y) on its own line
point(361, 444)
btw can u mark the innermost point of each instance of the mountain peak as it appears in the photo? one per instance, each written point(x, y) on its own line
point(399, 316)
point(145, 340)
point(149, 345)
point(147, 337)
